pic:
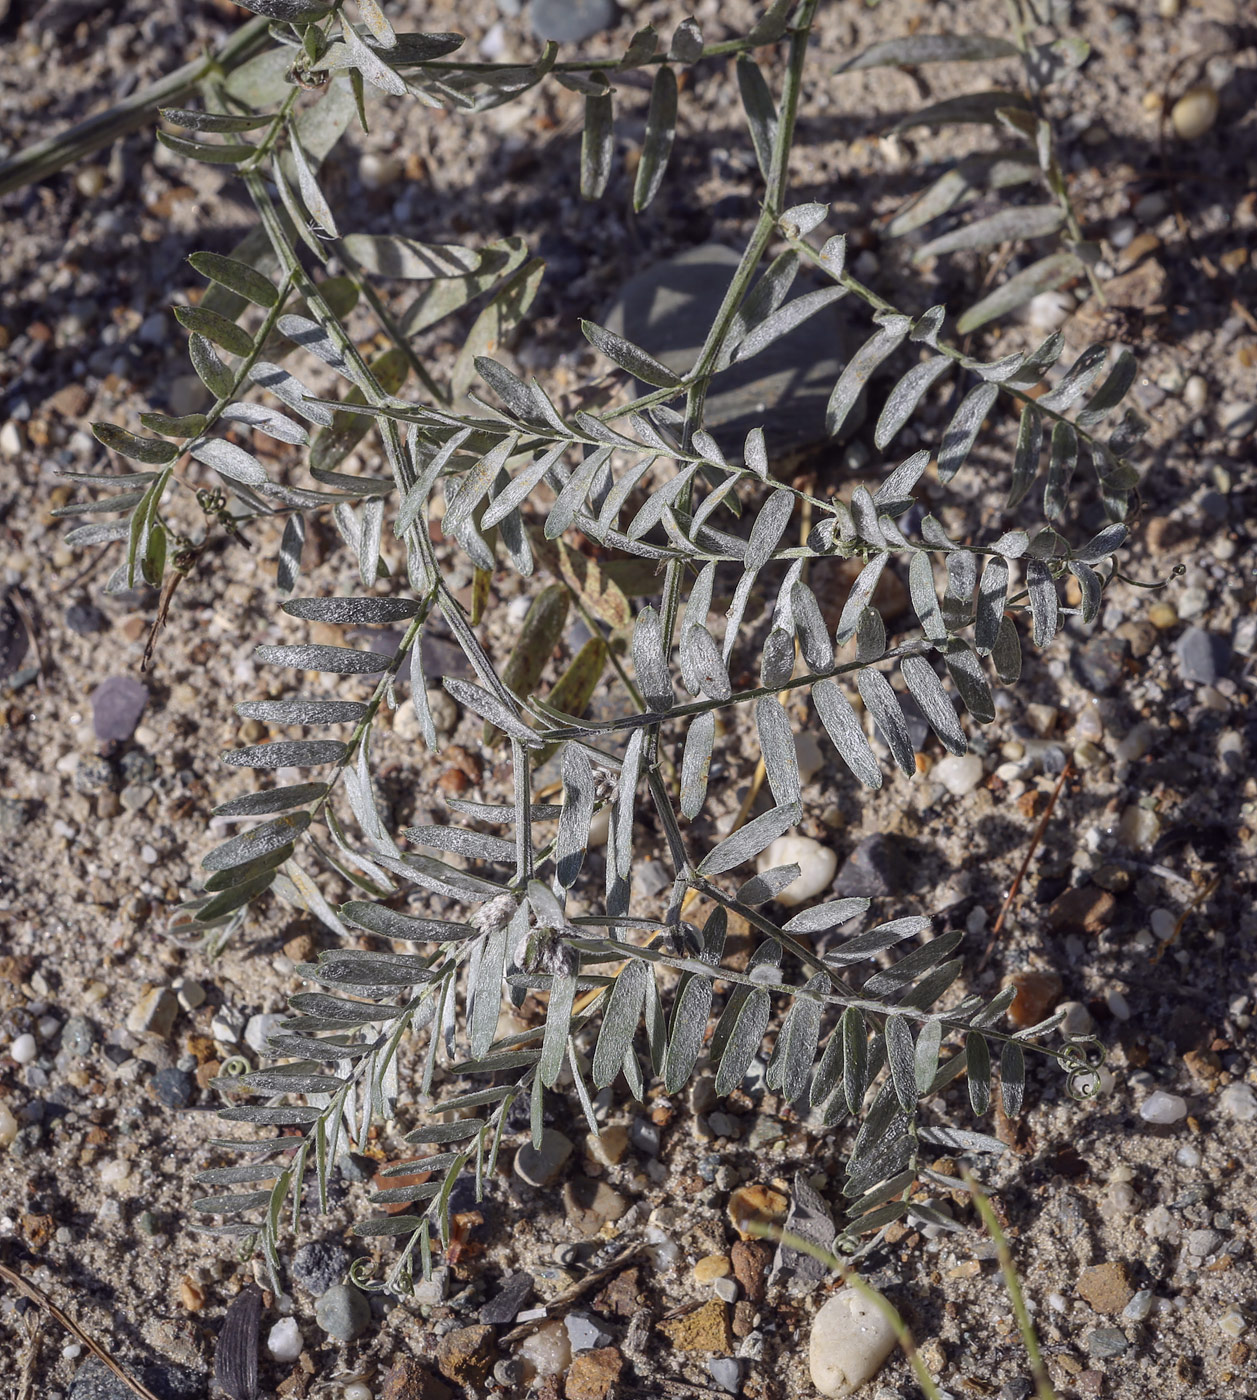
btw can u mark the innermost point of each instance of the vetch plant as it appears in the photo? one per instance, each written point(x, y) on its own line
point(867, 1032)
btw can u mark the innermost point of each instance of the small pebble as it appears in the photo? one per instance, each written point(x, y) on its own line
point(343, 1312)
point(1238, 1101)
point(1196, 393)
point(117, 704)
point(542, 1166)
point(959, 775)
point(1195, 112)
point(816, 863)
point(726, 1371)
point(358, 1391)
point(284, 1340)
point(1139, 1306)
point(23, 1050)
point(1232, 1323)
point(850, 1341)
point(1163, 1108)
point(8, 1126)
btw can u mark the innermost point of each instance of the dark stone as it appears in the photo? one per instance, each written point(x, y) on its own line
point(668, 310)
point(1017, 1389)
point(174, 1087)
point(84, 619)
point(514, 1295)
point(874, 869)
point(1100, 663)
point(320, 1265)
point(94, 775)
point(570, 21)
point(95, 1381)
point(117, 704)
point(354, 1167)
point(811, 1220)
point(1106, 1342)
point(137, 766)
point(1203, 657)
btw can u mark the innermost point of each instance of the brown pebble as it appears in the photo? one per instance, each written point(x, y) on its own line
point(1085, 908)
point(38, 1229)
point(622, 1296)
point(704, 1329)
point(756, 1203)
point(1037, 994)
point(744, 1315)
point(408, 1379)
point(301, 949)
point(751, 1259)
point(592, 1374)
point(191, 1294)
point(1106, 1286)
point(466, 1355)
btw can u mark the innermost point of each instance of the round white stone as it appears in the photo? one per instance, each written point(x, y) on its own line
point(958, 774)
point(817, 866)
point(284, 1340)
point(23, 1050)
point(849, 1343)
point(1160, 1107)
point(1238, 1101)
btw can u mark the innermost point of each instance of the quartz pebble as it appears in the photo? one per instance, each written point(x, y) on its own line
point(1160, 1107)
point(8, 1126)
point(1238, 1101)
point(816, 863)
point(259, 1029)
point(284, 1340)
point(958, 774)
point(849, 1342)
point(1195, 112)
point(547, 1352)
point(23, 1050)
point(584, 1332)
point(357, 1390)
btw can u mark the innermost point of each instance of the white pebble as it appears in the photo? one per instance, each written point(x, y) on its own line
point(71, 1351)
point(817, 865)
point(1195, 112)
point(810, 757)
point(23, 1050)
point(1196, 393)
point(1188, 1156)
point(1117, 1004)
point(358, 1391)
point(850, 1341)
point(378, 171)
point(1232, 1322)
point(1165, 1108)
point(114, 1171)
point(1238, 1101)
point(8, 1126)
point(1139, 1306)
point(1163, 923)
point(284, 1340)
point(547, 1352)
point(958, 774)
point(1049, 310)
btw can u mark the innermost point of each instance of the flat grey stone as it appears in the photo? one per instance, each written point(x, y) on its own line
point(117, 704)
point(514, 1294)
point(1203, 657)
point(875, 868)
point(541, 1166)
point(811, 1220)
point(570, 21)
point(343, 1312)
point(668, 310)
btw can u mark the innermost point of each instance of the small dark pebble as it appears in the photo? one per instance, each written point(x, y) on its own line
point(84, 619)
point(137, 766)
point(1100, 664)
point(1105, 1342)
point(874, 869)
point(1019, 1388)
point(117, 704)
point(174, 1087)
point(1203, 657)
point(514, 1295)
point(320, 1265)
point(94, 775)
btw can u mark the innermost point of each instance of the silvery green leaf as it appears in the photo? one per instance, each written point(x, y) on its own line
point(963, 429)
point(1012, 224)
point(597, 140)
point(687, 42)
point(1043, 276)
point(311, 195)
point(367, 62)
point(776, 664)
point(858, 598)
point(935, 536)
point(925, 1066)
point(748, 841)
point(759, 889)
point(661, 120)
point(843, 728)
point(236, 276)
point(695, 763)
point(829, 1071)
point(311, 336)
point(285, 1117)
point(1089, 584)
point(658, 501)
point(215, 328)
point(690, 1012)
point(927, 690)
point(352, 612)
point(289, 11)
point(1044, 603)
point(978, 1065)
point(462, 841)
point(619, 1022)
point(558, 1019)
point(931, 48)
point(833, 255)
point(231, 1204)
point(390, 255)
point(970, 682)
point(764, 298)
point(701, 659)
point(266, 420)
point(520, 486)
point(992, 595)
point(784, 320)
point(755, 453)
point(152, 450)
point(761, 111)
point(1107, 542)
point(1012, 1077)
point(629, 357)
point(490, 708)
point(924, 597)
point(801, 219)
point(261, 841)
point(1006, 653)
point(877, 940)
point(620, 841)
point(572, 840)
point(272, 800)
point(1026, 457)
point(814, 639)
point(976, 107)
point(571, 498)
point(229, 461)
point(795, 1050)
point(210, 370)
point(311, 753)
point(475, 485)
point(826, 916)
point(855, 1049)
point(514, 393)
point(1062, 460)
point(388, 923)
point(1111, 392)
point(343, 661)
point(776, 741)
point(291, 391)
point(651, 662)
point(859, 369)
point(882, 703)
point(212, 152)
point(962, 579)
point(1077, 379)
point(745, 1037)
point(212, 121)
point(902, 400)
point(901, 1056)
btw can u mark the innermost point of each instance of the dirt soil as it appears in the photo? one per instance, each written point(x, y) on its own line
point(1137, 904)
